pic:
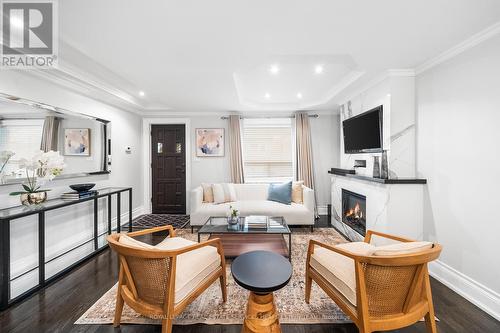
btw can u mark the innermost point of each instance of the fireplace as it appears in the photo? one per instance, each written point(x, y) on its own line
point(354, 211)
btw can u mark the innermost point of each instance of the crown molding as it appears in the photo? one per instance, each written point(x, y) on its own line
point(264, 114)
point(343, 84)
point(404, 72)
point(460, 48)
point(370, 84)
point(82, 87)
point(172, 113)
point(98, 84)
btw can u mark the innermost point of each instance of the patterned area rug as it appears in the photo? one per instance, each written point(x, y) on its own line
point(209, 309)
point(147, 221)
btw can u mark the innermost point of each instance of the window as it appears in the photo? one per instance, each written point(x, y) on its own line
point(22, 137)
point(267, 150)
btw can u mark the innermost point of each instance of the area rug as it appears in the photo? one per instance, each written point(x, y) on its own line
point(147, 221)
point(209, 309)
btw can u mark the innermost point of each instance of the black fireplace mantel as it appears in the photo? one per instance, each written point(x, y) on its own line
point(380, 180)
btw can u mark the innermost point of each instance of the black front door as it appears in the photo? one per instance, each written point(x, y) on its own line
point(168, 169)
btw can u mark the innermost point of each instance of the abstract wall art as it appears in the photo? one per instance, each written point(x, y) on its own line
point(209, 142)
point(77, 141)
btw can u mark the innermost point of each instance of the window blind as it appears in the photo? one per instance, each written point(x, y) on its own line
point(22, 137)
point(267, 150)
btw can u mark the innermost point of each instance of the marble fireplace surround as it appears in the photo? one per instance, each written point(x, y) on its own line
point(393, 208)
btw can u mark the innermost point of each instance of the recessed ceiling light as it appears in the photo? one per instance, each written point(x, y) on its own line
point(267, 95)
point(274, 69)
point(299, 95)
point(142, 93)
point(318, 69)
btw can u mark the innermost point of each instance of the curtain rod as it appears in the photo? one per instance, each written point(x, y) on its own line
point(269, 117)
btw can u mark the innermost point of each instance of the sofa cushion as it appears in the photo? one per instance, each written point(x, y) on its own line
point(193, 267)
point(223, 193)
point(293, 213)
point(402, 248)
point(337, 269)
point(297, 195)
point(208, 194)
point(281, 193)
point(209, 209)
point(251, 191)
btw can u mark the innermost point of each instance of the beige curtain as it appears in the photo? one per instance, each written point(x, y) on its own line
point(50, 134)
point(303, 154)
point(235, 151)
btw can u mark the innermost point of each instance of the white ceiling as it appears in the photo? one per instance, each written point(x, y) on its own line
point(202, 56)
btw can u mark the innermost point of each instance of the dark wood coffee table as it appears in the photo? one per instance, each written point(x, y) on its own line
point(240, 239)
point(262, 273)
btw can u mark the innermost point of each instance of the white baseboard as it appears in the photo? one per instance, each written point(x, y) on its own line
point(138, 211)
point(323, 210)
point(483, 297)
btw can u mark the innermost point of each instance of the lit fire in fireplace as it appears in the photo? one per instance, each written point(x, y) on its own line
point(355, 212)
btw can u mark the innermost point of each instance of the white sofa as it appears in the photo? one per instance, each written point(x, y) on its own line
point(252, 200)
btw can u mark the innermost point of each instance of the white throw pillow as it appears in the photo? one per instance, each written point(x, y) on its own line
point(358, 248)
point(297, 192)
point(208, 194)
point(230, 192)
point(402, 248)
point(223, 193)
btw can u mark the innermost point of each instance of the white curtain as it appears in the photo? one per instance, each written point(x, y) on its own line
point(50, 134)
point(304, 155)
point(235, 151)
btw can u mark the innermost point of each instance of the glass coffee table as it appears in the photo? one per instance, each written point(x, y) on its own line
point(252, 233)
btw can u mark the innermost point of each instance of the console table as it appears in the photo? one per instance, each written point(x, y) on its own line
point(9, 215)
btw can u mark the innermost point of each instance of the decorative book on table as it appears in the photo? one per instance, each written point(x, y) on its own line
point(256, 222)
point(70, 196)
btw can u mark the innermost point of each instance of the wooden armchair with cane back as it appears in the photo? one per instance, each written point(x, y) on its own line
point(380, 287)
point(161, 281)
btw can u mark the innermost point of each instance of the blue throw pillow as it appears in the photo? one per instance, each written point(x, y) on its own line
point(281, 193)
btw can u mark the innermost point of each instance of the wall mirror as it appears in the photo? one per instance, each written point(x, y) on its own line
point(26, 127)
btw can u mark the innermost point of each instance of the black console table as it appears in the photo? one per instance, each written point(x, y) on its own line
point(8, 215)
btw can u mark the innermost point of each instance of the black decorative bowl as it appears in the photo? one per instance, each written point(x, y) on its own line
point(81, 187)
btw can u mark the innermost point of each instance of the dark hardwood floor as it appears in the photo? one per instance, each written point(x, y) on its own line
point(59, 305)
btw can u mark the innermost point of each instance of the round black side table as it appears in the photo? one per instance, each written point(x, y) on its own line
point(262, 273)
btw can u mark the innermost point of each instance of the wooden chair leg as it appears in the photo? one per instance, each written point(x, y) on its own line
point(308, 287)
point(119, 299)
point(118, 309)
point(166, 325)
point(430, 323)
point(223, 286)
point(430, 318)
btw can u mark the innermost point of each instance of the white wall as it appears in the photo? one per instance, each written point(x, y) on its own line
point(396, 93)
point(377, 95)
point(458, 152)
point(76, 164)
point(209, 169)
point(67, 227)
point(216, 169)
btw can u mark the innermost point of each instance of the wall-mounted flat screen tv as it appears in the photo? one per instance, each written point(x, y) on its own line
point(363, 133)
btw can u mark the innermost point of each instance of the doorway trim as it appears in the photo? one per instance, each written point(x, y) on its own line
point(146, 141)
